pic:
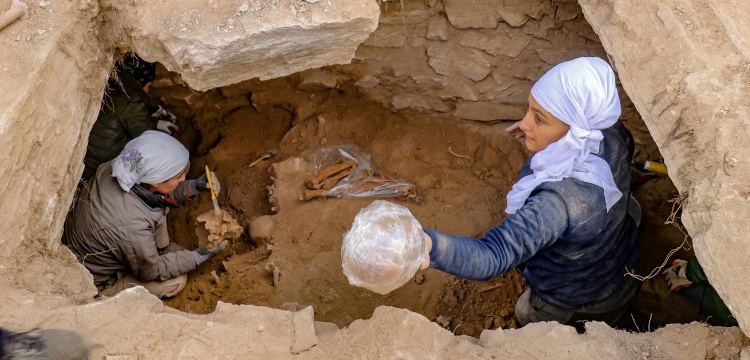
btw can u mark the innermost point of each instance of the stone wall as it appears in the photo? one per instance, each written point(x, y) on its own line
point(459, 57)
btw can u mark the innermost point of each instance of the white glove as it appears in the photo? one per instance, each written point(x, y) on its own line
point(675, 275)
point(201, 183)
point(164, 115)
point(515, 131)
point(167, 126)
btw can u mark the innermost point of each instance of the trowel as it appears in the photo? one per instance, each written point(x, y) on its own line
point(266, 155)
point(217, 224)
point(213, 193)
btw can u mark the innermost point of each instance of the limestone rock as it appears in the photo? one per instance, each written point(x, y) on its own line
point(745, 353)
point(367, 82)
point(696, 123)
point(304, 330)
point(487, 111)
point(728, 14)
point(485, 14)
point(541, 27)
point(472, 14)
point(211, 44)
point(386, 36)
point(447, 59)
point(510, 43)
point(438, 28)
point(317, 79)
point(459, 87)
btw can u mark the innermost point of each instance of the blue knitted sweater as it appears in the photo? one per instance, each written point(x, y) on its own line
point(570, 249)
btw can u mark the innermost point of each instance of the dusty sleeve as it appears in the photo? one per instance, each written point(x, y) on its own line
point(184, 192)
point(534, 226)
point(136, 117)
point(142, 258)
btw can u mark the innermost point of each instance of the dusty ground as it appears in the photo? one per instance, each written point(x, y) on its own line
point(462, 169)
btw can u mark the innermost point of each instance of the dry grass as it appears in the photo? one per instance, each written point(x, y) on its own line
point(674, 219)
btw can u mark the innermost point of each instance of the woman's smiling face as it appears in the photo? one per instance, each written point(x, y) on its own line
point(541, 128)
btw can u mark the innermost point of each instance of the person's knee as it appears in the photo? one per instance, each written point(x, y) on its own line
point(175, 286)
point(531, 309)
point(168, 288)
point(161, 238)
point(523, 308)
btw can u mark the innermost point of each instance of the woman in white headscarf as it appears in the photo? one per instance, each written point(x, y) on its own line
point(569, 231)
point(117, 228)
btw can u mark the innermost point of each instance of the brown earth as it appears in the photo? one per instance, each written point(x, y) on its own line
point(462, 169)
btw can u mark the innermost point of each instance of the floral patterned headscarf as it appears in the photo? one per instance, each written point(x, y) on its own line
point(152, 158)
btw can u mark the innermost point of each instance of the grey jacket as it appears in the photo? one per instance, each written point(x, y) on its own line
point(113, 231)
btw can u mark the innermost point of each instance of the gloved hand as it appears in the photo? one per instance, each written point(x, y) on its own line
point(166, 126)
point(515, 131)
point(164, 115)
point(166, 121)
point(675, 275)
point(201, 184)
point(203, 254)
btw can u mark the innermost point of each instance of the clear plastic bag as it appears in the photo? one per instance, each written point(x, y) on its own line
point(347, 171)
point(384, 247)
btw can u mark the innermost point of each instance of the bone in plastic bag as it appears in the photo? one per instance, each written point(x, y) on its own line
point(384, 247)
point(347, 171)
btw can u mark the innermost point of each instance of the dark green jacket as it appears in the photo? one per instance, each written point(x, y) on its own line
point(711, 305)
point(125, 114)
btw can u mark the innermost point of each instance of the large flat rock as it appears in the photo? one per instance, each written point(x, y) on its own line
point(684, 65)
point(218, 43)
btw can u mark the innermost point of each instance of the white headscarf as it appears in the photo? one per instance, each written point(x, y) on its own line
point(582, 94)
point(152, 158)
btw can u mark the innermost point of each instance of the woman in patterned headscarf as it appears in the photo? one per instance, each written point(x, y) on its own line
point(569, 231)
point(117, 228)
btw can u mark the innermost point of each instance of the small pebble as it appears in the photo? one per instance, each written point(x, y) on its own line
point(419, 279)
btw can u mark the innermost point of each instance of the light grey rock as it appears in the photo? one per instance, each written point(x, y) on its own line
point(438, 28)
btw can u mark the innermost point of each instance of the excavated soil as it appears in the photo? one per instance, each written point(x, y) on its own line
point(462, 170)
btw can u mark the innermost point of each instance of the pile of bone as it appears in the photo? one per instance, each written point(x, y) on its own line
point(349, 178)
